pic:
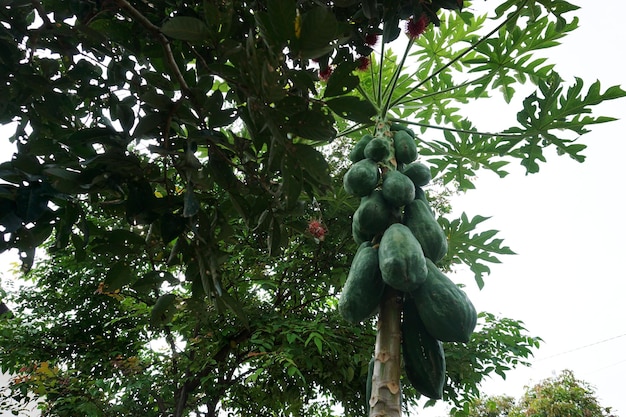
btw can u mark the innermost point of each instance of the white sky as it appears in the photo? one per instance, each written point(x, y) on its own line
point(566, 282)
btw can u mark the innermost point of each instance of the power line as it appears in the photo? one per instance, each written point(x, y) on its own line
point(613, 365)
point(581, 347)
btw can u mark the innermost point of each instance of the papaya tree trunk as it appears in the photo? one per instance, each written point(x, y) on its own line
point(386, 397)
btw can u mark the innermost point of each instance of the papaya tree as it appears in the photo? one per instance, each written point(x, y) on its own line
point(179, 166)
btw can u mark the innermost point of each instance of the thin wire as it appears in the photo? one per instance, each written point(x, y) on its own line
point(581, 347)
point(613, 365)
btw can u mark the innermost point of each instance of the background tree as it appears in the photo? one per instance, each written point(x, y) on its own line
point(563, 395)
point(179, 161)
point(492, 406)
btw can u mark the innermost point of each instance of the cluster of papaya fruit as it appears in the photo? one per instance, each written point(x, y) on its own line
point(400, 243)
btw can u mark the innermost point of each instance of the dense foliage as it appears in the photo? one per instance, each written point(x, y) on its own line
point(560, 396)
point(178, 164)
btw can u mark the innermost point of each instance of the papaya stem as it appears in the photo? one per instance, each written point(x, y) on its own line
point(386, 397)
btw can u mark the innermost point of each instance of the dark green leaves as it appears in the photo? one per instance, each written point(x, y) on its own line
point(319, 29)
point(186, 28)
point(278, 24)
point(308, 34)
point(163, 310)
point(313, 164)
point(119, 275)
point(32, 202)
point(352, 108)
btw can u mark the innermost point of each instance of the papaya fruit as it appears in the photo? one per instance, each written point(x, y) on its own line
point(418, 173)
point(420, 220)
point(363, 290)
point(401, 259)
point(362, 177)
point(423, 356)
point(378, 149)
point(357, 152)
point(397, 127)
point(372, 217)
point(358, 234)
point(398, 189)
point(404, 146)
point(420, 194)
point(446, 311)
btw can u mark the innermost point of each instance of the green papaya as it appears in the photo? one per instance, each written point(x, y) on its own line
point(419, 219)
point(372, 217)
point(363, 290)
point(357, 152)
point(397, 127)
point(362, 177)
point(420, 194)
point(446, 311)
point(423, 356)
point(378, 149)
point(418, 173)
point(404, 146)
point(398, 189)
point(358, 234)
point(401, 259)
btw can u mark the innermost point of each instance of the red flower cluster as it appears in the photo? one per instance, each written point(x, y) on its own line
point(317, 229)
point(416, 27)
point(371, 39)
point(325, 73)
point(363, 63)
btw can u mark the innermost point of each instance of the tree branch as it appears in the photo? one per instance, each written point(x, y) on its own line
point(163, 40)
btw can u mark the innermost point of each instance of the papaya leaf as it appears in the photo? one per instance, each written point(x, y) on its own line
point(474, 248)
point(548, 114)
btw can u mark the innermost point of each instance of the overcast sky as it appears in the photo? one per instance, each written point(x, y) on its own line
point(565, 223)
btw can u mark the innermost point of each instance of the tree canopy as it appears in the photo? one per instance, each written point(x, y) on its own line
point(178, 167)
point(563, 395)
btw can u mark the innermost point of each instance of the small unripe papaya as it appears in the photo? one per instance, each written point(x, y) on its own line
point(378, 149)
point(357, 152)
point(418, 172)
point(361, 178)
point(401, 259)
point(404, 146)
point(398, 189)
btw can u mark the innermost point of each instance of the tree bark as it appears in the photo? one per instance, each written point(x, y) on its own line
point(386, 398)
